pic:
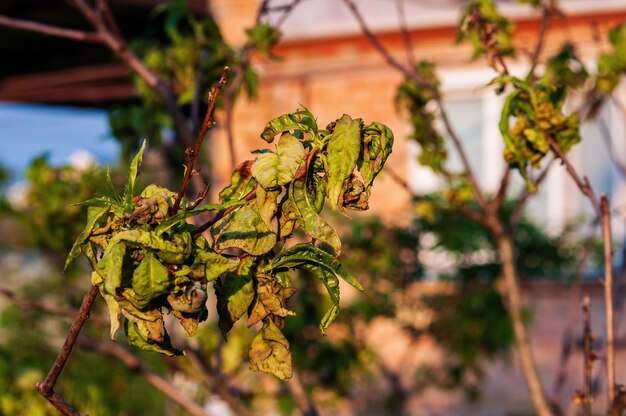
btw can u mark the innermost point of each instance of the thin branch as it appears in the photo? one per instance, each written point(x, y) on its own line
point(158, 382)
point(523, 198)
point(608, 296)
point(375, 41)
point(618, 406)
point(456, 141)
point(588, 359)
point(606, 136)
point(582, 183)
point(300, 396)
point(46, 387)
point(49, 30)
point(568, 340)
point(548, 8)
point(27, 304)
point(498, 199)
point(287, 9)
point(406, 36)
point(109, 34)
point(213, 381)
point(207, 125)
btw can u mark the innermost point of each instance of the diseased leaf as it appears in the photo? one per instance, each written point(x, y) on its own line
point(268, 207)
point(235, 293)
point(115, 312)
point(379, 141)
point(314, 224)
point(136, 339)
point(178, 219)
point(270, 352)
point(150, 280)
point(272, 170)
point(110, 267)
point(343, 151)
point(244, 229)
point(94, 215)
point(173, 251)
point(241, 183)
point(271, 299)
point(289, 122)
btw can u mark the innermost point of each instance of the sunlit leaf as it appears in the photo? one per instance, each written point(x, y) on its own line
point(343, 151)
point(270, 352)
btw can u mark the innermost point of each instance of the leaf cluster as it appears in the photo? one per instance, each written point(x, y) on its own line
point(538, 116)
point(489, 33)
point(415, 98)
point(147, 259)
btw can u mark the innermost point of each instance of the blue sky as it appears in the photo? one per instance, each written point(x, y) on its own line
point(29, 130)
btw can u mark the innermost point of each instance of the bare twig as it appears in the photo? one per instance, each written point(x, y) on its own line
point(568, 339)
point(582, 183)
point(618, 406)
point(548, 8)
point(49, 30)
point(589, 358)
point(375, 41)
point(406, 36)
point(523, 198)
point(28, 304)
point(608, 296)
point(212, 380)
point(300, 396)
point(498, 199)
point(207, 124)
point(46, 387)
point(158, 382)
point(286, 9)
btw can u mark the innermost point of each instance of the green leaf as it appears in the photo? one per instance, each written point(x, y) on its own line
point(244, 229)
point(275, 169)
point(270, 352)
point(300, 120)
point(343, 151)
point(235, 293)
point(314, 224)
point(129, 190)
point(330, 281)
point(150, 280)
point(94, 215)
point(110, 267)
point(216, 265)
point(174, 251)
point(135, 338)
point(268, 207)
point(306, 253)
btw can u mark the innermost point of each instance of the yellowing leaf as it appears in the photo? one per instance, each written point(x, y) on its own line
point(270, 352)
point(343, 151)
point(275, 169)
point(244, 229)
point(110, 267)
point(235, 294)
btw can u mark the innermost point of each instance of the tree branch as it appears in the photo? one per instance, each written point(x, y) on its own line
point(608, 295)
point(158, 382)
point(523, 198)
point(207, 124)
point(588, 359)
point(406, 36)
point(49, 30)
point(46, 387)
point(300, 396)
point(548, 8)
